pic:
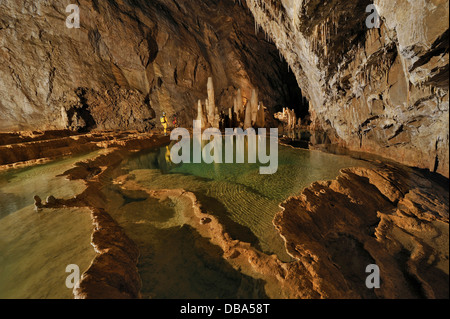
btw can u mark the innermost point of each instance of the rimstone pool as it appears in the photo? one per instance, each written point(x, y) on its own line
point(36, 248)
point(175, 260)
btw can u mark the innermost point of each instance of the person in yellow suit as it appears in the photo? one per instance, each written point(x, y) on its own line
point(167, 155)
point(164, 123)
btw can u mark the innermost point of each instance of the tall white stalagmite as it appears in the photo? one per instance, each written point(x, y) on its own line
point(248, 116)
point(230, 116)
point(211, 101)
point(235, 106)
point(254, 106)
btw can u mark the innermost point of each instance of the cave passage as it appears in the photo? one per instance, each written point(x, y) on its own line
point(88, 105)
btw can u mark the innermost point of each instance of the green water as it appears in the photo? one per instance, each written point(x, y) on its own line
point(176, 261)
point(36, 248)
point(244, 200)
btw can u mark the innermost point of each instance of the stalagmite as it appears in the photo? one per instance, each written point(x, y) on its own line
point(289, 120)
point(208, 119)
point(260, 121)
point(263, 115)
point(216, 122)
point(248, 116)
point(211, 101)
point(258, 116)
point(200, 115)
point(254, 106)
point(240, 106)
point(230, 116)
point(293, 120)
point(239, 100)
point(199, 111)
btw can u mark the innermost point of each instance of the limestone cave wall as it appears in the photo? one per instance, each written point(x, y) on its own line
point(130, 61)
point(380, 90)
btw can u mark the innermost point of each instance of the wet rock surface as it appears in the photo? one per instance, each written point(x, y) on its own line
point(28, 148)
point(390, 216)
point(393, 217)
point(379, 90)
point(113, 273)
point(382, 91)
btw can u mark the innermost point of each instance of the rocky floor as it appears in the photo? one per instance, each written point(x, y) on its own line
point(29, 148)
point(391, 216)
point(396, 218)
point(113, 273)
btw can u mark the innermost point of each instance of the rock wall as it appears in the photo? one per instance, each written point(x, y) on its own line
point(380, 90)
point(393, 217)
point(129, 62)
